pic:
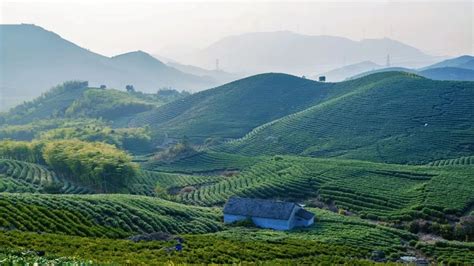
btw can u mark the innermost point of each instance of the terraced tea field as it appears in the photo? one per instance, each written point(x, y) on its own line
point(19, 176)
point(147, 182)
point(376, 191)
point(467, 160)
point(333, 228)
point(204, 162)
point(197, 249)
point(102, 215)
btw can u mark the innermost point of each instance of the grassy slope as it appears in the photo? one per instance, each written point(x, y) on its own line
point(234, 109)
point(388, 117)
point(102, 215)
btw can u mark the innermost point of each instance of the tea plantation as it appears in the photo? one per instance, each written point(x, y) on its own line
point(378, 191)
point(382, 119)
point(113, 216)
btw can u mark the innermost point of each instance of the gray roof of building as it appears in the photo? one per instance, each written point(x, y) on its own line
point(304, 214)
point(262, 208)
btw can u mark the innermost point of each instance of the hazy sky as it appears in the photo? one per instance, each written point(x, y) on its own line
point(173, 27)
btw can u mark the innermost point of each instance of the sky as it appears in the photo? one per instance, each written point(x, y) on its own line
point(171, 28)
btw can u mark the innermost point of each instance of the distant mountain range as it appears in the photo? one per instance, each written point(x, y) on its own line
point(34, 59)
point(459, 68)
point(340, 74)
point(299, 54)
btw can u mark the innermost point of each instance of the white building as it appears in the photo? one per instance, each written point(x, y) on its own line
point(272, 214)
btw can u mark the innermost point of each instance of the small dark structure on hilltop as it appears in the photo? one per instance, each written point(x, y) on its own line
point(272, 214)
point(322, 78)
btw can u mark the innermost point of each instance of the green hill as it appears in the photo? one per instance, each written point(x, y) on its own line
point(51, 104)
point(389, 117)
point(232, 110)
point(75, 99)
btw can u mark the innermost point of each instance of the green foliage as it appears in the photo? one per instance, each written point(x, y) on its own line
point(24, 151)
point(178, 151)
point(197, 249)
point(109, 104)
point(74, 99)
point(19, 176)
point(98, 165)
point(449, 253)
point(248, 222)
point(380, 118)
point(132, 139)
point(115, 216)
point(51, 104)
point(28, 131)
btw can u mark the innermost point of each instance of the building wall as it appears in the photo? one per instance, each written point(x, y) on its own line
point(260, 222)
point(271, 223)
point(230, 218)
point(276, 224)
point(293, 221)
point(303, 222)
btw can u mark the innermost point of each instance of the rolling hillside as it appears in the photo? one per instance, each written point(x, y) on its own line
point(34, 60)
point(232, 110)
point(387, 117)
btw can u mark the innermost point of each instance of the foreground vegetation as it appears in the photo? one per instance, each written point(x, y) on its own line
point(334, 239)
point(114, 216)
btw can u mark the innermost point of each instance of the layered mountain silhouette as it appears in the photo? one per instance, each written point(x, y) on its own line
point(340, 74)
point(299, 54)
point(34, 59)
point(459, 68)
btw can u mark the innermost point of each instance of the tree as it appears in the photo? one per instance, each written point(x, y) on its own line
point(130, 88)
